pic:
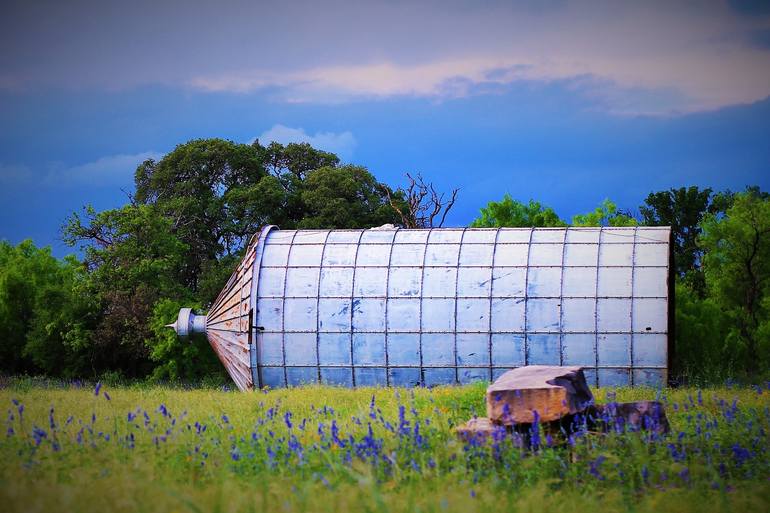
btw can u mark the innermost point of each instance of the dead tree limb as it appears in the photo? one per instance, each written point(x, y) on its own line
point(421, 205)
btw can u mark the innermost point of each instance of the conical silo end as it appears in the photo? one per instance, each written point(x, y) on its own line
point(228, 323)
point(232, 349)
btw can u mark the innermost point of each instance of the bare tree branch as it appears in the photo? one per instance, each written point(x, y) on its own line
point(422, 204)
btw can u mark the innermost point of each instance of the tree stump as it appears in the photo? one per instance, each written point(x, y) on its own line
point(537, 393)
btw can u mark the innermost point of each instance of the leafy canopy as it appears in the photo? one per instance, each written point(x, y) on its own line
point(513, 213)
point(736, 263)
point(606, 214)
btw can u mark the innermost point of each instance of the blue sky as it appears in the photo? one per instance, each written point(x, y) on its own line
point(563, 102)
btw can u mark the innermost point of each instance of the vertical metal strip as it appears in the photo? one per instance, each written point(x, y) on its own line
point(457, 281)
point(526, 299)
point(256, 380)
point(317, 310)
point(491, 299)
point(259, 250)
point(283, 310)
point(352, 296)
point(422, 295)
point(633, 294)
point(596, 306)
point(387, 300)
point(561, 298)
point(668, 379)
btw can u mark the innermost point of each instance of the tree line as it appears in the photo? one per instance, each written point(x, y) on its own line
point(187, 222)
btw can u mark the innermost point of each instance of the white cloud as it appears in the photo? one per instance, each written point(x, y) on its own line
point(113, 170)
point(342, 143)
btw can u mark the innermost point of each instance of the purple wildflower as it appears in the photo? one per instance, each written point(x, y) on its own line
point(38, 434)
point(593, 468)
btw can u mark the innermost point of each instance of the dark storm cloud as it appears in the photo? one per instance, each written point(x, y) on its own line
point(337, 51)
point(751, 7)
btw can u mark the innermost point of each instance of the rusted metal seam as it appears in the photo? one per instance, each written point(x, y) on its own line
point(631, 328)
point(596, 305)
point(526, 299)
point(561, 299)
point(387, 300)
point(283, 311)
point(318, 309)
point(352, 299)
point(259, 251)
point(491, 300)
point(422, 296)
point(457, 282)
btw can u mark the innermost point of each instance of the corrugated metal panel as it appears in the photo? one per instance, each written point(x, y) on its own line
point(407, 307)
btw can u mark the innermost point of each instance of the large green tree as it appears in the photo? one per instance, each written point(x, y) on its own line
point(134, 260)
point(682, 209)
point(185, 229)
point(736, 262)
point(344, 197)
point(45, 313)
point(197, 187)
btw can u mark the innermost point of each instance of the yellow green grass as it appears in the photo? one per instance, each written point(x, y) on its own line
point(105, 455)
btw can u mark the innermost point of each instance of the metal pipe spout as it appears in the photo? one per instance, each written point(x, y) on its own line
point(188, 323)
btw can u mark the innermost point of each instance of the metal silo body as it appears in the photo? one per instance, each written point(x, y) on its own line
point(410, 307)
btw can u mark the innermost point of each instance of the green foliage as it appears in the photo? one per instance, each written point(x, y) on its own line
point(194, 210)
point(180, 238)
point(736, 263)
point(512, 213)
point(606, 214)
point(178, 360)
point(134, 260)
point(296, 159)
point(344, 197)
point(196, 188)
point(44, 316)
point(683, 210)
point(701, 349)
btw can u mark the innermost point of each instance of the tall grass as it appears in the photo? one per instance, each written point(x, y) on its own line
point(370, 449)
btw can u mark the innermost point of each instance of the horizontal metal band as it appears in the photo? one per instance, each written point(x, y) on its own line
point(417, 297)
point(461, 266)
point(433, 366)
point(473, 243)
point(480, 332)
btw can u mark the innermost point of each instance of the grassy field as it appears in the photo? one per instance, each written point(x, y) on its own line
point(328, 449)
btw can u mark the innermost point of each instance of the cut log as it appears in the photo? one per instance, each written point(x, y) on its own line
point(537, 393)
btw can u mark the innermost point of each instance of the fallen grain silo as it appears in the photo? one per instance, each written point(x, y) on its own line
point(389, 306)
